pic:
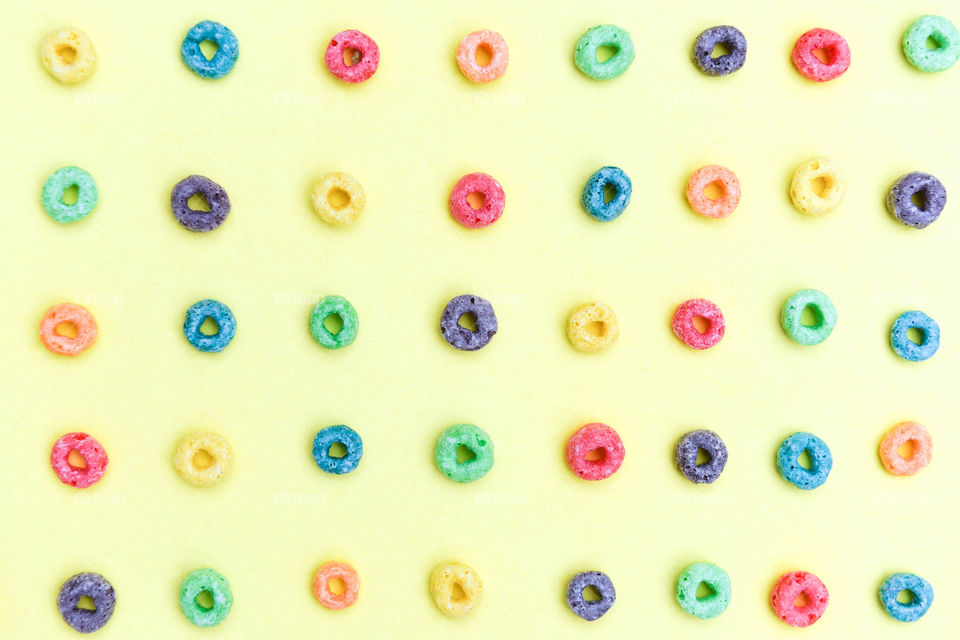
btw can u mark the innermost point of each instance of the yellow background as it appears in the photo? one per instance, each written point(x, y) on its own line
point(278, 122)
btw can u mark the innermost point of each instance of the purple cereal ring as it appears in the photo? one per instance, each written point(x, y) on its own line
point(93, 586)
point(192, 219)
point(688, 448)
point(686, 330)
point(917, 199)
point(488, 189)
point(461, 337)
point(362, 51)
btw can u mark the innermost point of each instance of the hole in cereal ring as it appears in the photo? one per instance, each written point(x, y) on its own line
point(825, 55)
point(66, 329)
point(802, 601)
point(76, 460)
point(66, 53)
point(204, 600)
point(609, 192)
point(809, 316)
point(457, 593)
point(703, 456)
point(337, 450)
point(336, 586)
point(907, 449)
point(596, 328)
point(820, 185)
point(916, 335)
point(483, 55)
point(919, 200)
point(202, 459)
point(476, 200)
point(701, 324)
point(209, 48)
point(351, 56)
point(465, 454)
point(198, 202)
point(704, 590)
point(905, 597)
point(85, 603)
point(333, 323)
point(804, 459)
point(338, 198)
point(468, 321)
point(606, 52)
point(596, 455)
point(209, 327)
point(932, 43)
point(714, 190)
point(721, 49)
point(70, 195)
point(591, 594)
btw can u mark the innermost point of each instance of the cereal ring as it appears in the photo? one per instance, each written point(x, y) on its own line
point(202, 458)
point(95, 460)
point(917, 186)
point(688, 449)
point(336, 571)
point(921, 596)
point(475, 308)
point(478, 447)
point(805, 189)
point(907, 348)
point(196, 219)
point(724, 64)
point(493, 44)
point(349, 322)
point(709, 606)
point(832, 46)
point(338, 185)
point(228, 48)
point(805, 587)
point(211, 582)
point(594, 197)
point(93, 586)
point(362, 51)
point(595, 451)
point(68, 313)
point(489, 191)
point(611, 37)
point(220, 314)
point(589, 315)
point(598, 581)
point(53, 190)
point(943, 33)
point(788, 460)
point(686, 330)
point(721, 177)
point(341, 435)
point(444, 579)
point(68, 55)
point(825, 315)
point(919, 456)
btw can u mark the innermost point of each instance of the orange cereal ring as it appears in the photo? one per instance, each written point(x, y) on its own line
point(491, 43)
point(721, 177)
point(914, 433)
point(336, 571)
point(68, 314)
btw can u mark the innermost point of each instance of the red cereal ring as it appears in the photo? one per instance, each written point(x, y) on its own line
point(94, 460)
point(68, 313)
point(686, 330)
point(490, 42)
point(723, 178)
point(336, 571)
point(362, 51)
point(595, 451)
point(803, 586)
point(488, 189)
point(831, 45)
point(915, 434)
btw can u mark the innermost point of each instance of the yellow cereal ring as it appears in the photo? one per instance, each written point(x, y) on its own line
point(68, 55)
point(456, 588)
point(809, 200)
point(579, 327)
point(328, 195)
point(213, 452)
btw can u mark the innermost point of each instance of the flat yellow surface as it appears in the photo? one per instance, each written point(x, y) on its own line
point(277, 123)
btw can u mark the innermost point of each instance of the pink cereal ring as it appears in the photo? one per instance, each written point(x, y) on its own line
point(336, 571)
point(686, 329)
point(361, 50)
point(831, 45)
point(915, 434)
point(491, 43)
point(595, 451)
point(488, 189)
point(94, 460)
point(723, 178)
point(69, 314)
point(804, 586)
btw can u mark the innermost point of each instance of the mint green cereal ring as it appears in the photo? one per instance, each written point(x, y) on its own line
point(203, 586)
point(943, 34)
point(710, 605)
point(825, 316)
point(349, 322)
point(604, 35)
point(477, 451)
point(55, 187)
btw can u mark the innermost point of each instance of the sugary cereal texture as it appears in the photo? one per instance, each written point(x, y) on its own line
point(689, 447)
point(906, 348)
point(68, 314)
point(328, 207)
point(222, 62)
point(494, 45)
point(209, 581)
point(337, 434)
point(198, 220)
point(68, 55)
point(581, 322)
point(490, 191)
point(723, 178)
point(442, 580)
point(221, 315)
point(921, 593)
point(53, 190)
point(922, 187)
point(476, 441)
point(726, 36)
point(93, 586)
point(832, 45)
point(604, 35)
point(920, 455)
point(818, 187)
point(590, 610)
point(789, 588)
point(364, 60)
point(788, 460)
point(94, 458)
point(593, 198)
point(689, 582)
point(461, 337)
point(349, 322)
point(336, 571)
point(686, 330)
point(595, 451)
point(825, 317)
point(214, 456)
point(943, 33)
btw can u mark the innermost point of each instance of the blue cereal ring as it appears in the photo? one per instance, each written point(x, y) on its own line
point(222, 61)
point(907, 348)
point(796, 474)
point(338, 434)
point(593, 194)
point(920, 591)
point(219, 313)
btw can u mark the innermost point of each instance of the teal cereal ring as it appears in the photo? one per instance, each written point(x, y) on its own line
point(349, 322)
point(710, 605)
point(56, 186)
point(943, 34)
point(604, 35)
point(210, 585)
point(477, 449)
point(825, 317)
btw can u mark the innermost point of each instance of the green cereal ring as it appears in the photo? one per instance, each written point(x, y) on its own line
point(823, 309)
point(711, 605)
point(54, 188)
point(213, 583)
point(942, 32)
point(334, 306)
point(476, 441)
point(604, 35)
